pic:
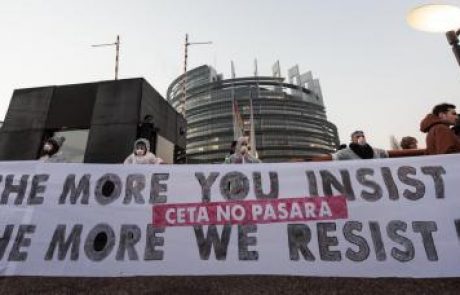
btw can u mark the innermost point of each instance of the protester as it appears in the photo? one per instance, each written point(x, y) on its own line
point(231, 152)
point(50, 150)
point(146, 129)
point(242, 155)
point(359, 149)
point(440, 139)
point(409, 142)
point(142, 154)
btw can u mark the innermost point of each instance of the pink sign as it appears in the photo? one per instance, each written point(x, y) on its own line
point(251, 212)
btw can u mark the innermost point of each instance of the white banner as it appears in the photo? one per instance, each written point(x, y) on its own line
point(368, 218)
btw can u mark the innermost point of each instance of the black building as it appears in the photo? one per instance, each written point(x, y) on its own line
point(100, 122)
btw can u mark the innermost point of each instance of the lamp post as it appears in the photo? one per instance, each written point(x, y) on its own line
point(438, 18)
point(184, 85)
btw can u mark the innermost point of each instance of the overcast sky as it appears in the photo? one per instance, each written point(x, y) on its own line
point(376, 73)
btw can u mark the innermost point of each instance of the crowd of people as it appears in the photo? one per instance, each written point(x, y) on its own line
point(442, 128)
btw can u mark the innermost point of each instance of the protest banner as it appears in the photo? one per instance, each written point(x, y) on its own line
point(368, 218)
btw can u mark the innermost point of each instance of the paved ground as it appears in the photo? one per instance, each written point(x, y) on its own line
point(226, 285)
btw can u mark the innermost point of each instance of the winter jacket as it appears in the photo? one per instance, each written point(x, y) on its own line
point(349, 154)
point(148, 158)
point(440, 139)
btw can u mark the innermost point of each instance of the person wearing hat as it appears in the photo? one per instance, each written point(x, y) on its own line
point(359, 149)
point(50, 150)
point(141, 154)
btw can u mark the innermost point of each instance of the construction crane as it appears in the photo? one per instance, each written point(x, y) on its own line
point(184, 85)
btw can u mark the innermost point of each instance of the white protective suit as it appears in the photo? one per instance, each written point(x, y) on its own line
point(148, 158)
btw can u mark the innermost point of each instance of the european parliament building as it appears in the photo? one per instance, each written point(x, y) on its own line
point(290, 121)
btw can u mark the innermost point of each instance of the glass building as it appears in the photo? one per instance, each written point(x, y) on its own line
point(289, 118)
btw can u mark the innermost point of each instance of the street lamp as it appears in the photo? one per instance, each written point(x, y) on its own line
point(438, 18)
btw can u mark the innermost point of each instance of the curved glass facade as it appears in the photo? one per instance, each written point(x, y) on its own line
point(290, 121)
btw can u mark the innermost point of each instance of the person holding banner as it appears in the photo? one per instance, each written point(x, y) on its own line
point(142, 154)
point(50, 150)
point(440, 139)
point(242, 155)
point(359, 149)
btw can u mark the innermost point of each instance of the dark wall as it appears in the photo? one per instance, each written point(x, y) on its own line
point(25, 123)
point(111, 110)
point(77, 98)
point(114, 121)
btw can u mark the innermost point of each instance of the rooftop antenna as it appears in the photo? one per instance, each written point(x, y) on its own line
point(117, 55)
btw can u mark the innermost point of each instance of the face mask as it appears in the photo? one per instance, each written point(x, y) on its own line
point(47, 147)
point(140, 152)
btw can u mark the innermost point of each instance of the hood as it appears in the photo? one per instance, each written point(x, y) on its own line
point(238, 144)
point(142, 140)
point(56, 142)
point(429, 121)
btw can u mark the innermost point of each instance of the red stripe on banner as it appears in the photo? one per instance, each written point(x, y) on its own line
point(251, 212)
